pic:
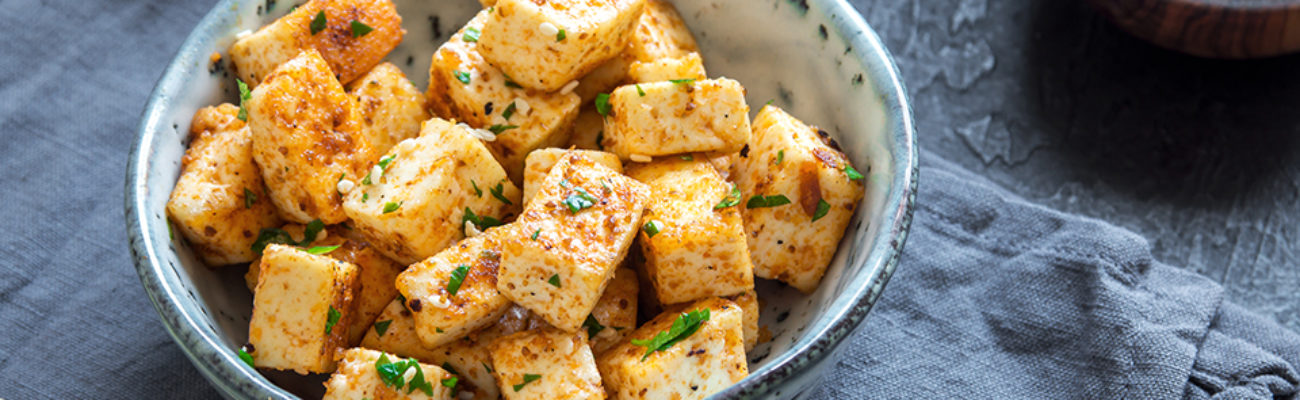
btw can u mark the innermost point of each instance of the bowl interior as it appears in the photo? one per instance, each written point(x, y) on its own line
point(814, 61)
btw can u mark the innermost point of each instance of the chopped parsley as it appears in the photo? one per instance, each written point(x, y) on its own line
point(687, 157)
point(318, 250)
point(769, 102)
point(602, 104)
point(450, 382)
point(383, 162)
point(652, 228)
point(579, 200)
point(318, 23)
point(512, 84)
point(559, 36)
point(394, 374)
point(267, 236)
point(482, 222)
point(364, 197)
point(332, 319)
point(366, 180)
point(244, 96)
point(510, 111)
point(593, 326)
point(685, 325)
point(462, 76)
point(528, 378)
point(471, 35)
point(497, 129)
point(457, 278)
point(732, 199)
point(477, 192)
point(639, 90)
point(761, 201)
point(852, 173)
point(381, 327)
point(359, 29)
point(499, 193)
point(780, 156)
point(822, 208)
point(391, 206)
point(554, 281)
point(249, 198)
point(248, 358)
point(686, 81)
point(535, 233)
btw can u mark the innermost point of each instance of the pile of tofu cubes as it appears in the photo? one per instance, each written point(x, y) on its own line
point(572, 209)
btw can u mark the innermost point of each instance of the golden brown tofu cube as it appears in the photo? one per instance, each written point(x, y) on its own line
point(546, 45)
point(615, 312)
point(660, 33)
point(706, 362)
point(794, 238)
point(413, 203)
point(748, 303)
point(219, 203)
point(391, 107)
point(348, 55)
point(693, 237)
point(454, 293)
point(540, 161)
point(677, 117)
point(359, 376)
point(690, 66)
point(588, 130)
point(514, 121)
point(301, 310)
point(306, 137)
point(546, 364)
point(544, 268)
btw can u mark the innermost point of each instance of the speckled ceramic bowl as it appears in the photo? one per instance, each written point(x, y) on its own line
point(816, 58)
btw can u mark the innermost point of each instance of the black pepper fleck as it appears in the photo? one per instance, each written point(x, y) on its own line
point(415, 305)
point(487, 108)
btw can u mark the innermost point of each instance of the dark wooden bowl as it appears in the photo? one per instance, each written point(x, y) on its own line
point(1211, 28)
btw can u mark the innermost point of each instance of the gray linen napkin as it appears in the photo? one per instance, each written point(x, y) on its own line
point(995, 298)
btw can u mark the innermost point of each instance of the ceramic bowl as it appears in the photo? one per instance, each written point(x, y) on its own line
point(817, 59)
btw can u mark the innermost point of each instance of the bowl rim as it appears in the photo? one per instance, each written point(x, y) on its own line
point(235, 379)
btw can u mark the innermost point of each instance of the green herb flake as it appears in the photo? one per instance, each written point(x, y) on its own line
point(852, 173)
point(439, 330)
point(559, 36)
point(383, 162)
point(364, 197)
point(482, 222)
point(652, 228)
point(457, 278)
point(381, 327)
point(486, 367)
point(512, 84)
point(769, 102)
point(732, 199)
point(471, 35)
point(554, 281)
point(450, 382)
point(593, 326)
point(535, 233)
point(639, 90)
point(331, 319)
point(602, 104)
point(447, 367)
point(393, 374)
point(682, 81)
point(685, 325)
point(270, 236)
point(462, 76)
point(249, 198)
point(687, 157)
point(579, 200)
point(244, 96)
point(761, 201)
point(366, 180)
point(499, 193)
point(309, 234)
point(248, 358)
point(391, 206)
point(318, 23)
point(477, 192)
point(822, 208)
point(780, 156)
point(318, 250)
point(528, 378)
point(510, 111)
point(359, 29)
point(498, 129)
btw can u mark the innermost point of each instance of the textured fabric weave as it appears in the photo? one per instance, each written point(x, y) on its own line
point(994, 298)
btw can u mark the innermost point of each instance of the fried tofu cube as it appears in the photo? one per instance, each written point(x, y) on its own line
point(615, 312)
point(748, 303)
point(359, 377)
point(454, 293)
point(219, 203)
point(391, 107)
point(706, 362)
point(604, 78)
point(660, 33)
point(677, 117)
point(540, 161)
point(588, 130)
point(348, 56)
point(301, 310)
point(307, 136)
point(690, 66)
point(795, 242)
point(413, 204)
point(547, 268)
point(465, 87)
point(393, 331)
point(546, 364)
point(694, 237)
point(546, 45)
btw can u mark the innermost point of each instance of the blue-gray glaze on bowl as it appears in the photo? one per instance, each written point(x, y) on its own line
point(817, 59)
